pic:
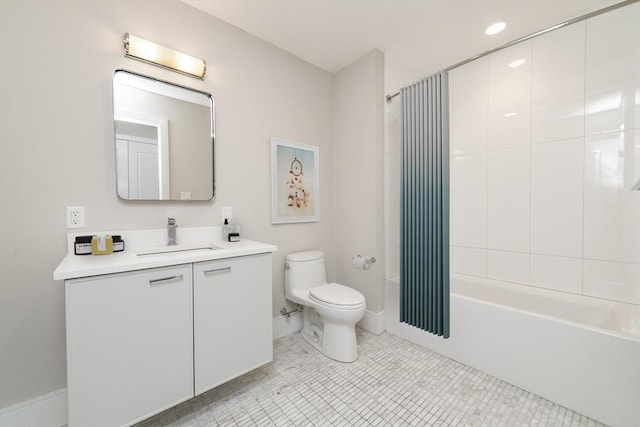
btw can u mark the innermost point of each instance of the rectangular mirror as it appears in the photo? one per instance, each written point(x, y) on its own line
point(164, 138)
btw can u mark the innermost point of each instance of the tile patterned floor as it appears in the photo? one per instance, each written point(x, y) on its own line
point(393, 383)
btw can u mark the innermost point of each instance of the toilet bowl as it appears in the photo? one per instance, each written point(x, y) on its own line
point(331, 310)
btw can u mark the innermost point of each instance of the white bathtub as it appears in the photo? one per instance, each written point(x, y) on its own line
point(580, 352)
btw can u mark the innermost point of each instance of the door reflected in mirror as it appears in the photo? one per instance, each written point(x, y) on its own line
point(164, 138)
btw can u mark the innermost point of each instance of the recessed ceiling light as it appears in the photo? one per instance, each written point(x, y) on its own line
point(517, 63)
point(495, 28)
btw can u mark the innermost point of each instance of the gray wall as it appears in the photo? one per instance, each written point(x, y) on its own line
point(57, 150)
point(358, 159)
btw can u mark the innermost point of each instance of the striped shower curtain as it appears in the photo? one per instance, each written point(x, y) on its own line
point(424, 201)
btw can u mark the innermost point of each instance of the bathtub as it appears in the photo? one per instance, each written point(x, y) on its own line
point(580, 352)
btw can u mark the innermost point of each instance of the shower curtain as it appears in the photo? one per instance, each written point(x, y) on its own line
point(424, 210)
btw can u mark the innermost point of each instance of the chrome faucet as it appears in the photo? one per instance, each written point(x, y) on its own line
point(171, 230)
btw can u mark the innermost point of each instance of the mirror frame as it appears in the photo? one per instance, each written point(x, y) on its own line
point(213, 127)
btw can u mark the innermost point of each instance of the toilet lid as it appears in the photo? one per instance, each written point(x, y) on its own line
point(333, 293)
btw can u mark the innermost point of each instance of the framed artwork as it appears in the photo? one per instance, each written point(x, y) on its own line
point(295, 184)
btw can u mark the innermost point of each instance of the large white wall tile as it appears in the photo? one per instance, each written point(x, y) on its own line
point(558, 273)
point(557, 84)
point(469, 261)
point(469, 137)
point(391, 201)
point(469, 87)
point(613, 71)
point(468, 195)
point(611, 209)
point(612, 280)
point(392, 262)
point(508, 266)
point(508, 199)
point(511, 129)
point(556, 198)
point(468, 114)
point(510, 98)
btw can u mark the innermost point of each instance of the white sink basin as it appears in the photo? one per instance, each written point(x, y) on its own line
point(156, 250)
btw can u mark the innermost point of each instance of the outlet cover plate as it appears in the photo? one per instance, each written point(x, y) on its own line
point(75, 217)
point(227, 213)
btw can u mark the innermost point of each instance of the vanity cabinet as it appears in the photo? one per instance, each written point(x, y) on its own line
point(232, 318)
point(129, 345)
point(143, 341)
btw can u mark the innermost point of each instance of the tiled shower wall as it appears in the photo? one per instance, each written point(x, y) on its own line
point(545, 146)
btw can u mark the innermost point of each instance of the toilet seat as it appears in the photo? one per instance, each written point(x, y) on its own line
point(334, 294)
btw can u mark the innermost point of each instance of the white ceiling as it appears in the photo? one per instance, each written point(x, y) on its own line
point(418, 36)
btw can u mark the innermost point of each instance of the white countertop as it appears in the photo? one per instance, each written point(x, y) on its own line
point(75, 266)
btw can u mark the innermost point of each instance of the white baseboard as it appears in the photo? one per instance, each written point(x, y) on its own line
point(376, 323)
point(283, 326)
point(48, 410)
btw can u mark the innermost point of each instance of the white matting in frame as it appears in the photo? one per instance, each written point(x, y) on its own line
point(295, 183)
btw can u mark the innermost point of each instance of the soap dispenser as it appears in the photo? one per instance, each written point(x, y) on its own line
point(225, 230)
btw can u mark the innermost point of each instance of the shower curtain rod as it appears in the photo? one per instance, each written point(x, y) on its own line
point(389, 98)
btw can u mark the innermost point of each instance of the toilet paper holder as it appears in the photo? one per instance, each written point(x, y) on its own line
point(359, 261)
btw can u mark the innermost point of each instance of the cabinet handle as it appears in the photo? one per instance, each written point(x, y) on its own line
point(217, 270)
point(153, 282)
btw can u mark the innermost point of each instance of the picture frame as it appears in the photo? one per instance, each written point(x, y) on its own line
point(295, 183)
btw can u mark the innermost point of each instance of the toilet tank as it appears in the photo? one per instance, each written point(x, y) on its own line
point(304, 270)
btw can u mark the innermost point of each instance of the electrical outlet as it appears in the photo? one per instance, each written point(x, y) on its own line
point(227, 212)
point(75, 217)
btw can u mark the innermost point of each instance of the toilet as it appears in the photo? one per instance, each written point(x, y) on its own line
point(330, 310)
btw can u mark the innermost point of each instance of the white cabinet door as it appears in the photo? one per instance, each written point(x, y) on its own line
point(129, 345)
point(232, 318)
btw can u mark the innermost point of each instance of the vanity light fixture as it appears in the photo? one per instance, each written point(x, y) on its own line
point(495, 28)
point(152, 53)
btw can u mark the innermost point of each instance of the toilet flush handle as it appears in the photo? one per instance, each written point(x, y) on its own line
point(287, 266)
